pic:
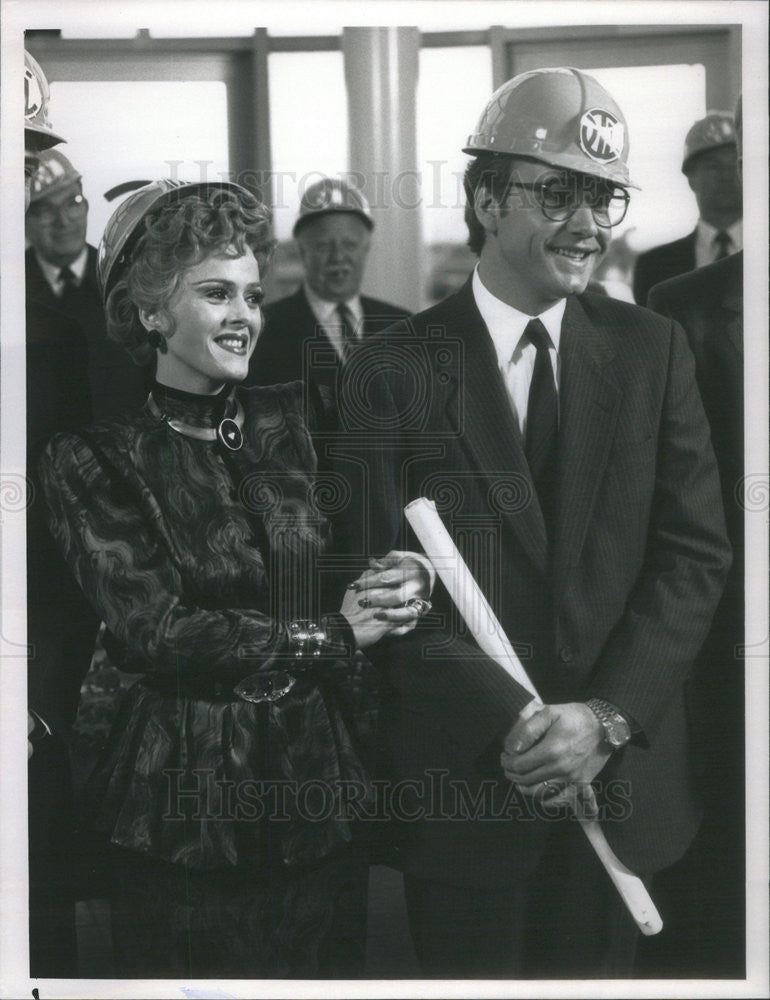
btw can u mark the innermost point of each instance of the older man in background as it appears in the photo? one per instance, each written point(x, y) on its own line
point(310, 334)
point(709, 163)
point(704, 894)
point(52, 938)
point(75, 374)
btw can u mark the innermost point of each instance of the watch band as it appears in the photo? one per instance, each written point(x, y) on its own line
point(617, 732)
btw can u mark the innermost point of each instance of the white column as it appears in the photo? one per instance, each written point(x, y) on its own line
point(381, 67)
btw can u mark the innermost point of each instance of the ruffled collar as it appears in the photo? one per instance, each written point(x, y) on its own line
point(192, 408)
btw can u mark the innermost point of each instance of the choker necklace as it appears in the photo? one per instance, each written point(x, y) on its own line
point(228, 432)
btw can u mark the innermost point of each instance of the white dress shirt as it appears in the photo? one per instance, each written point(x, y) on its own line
point(327, 316)
point(706, 249)
point(51, 271)
point(516, 359)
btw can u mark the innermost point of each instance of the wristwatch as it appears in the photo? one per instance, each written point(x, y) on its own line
point(617, 731)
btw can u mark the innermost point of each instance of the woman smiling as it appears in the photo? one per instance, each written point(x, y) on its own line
point(191, 527)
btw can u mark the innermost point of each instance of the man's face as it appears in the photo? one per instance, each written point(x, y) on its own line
point(713, 177)
point(56, 224)
point(532, 262)
point(333, 249)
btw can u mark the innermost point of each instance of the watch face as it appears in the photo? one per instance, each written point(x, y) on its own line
point(617, 732)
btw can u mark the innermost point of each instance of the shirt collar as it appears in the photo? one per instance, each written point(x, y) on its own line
point(506, 324)
point(324, 311)
point(706, 232)
point(52, 271)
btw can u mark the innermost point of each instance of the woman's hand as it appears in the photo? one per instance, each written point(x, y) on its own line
point(370, 624)
point(389, 598)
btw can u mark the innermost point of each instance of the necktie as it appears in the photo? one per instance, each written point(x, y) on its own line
point(348, 327)
point(542, 422)
point(722, 243)
point(69, 286)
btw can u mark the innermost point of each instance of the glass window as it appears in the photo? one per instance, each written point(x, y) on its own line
point(140, 130)
point(308, 127)
point(454, 86)
point(660, 104)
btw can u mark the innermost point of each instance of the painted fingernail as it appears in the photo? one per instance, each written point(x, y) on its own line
point(354, 586)
point(380, 616)
point(364, 603)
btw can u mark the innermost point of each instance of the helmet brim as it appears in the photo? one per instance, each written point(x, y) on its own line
point(37, 138)
point(305, 220)
point(121, 251)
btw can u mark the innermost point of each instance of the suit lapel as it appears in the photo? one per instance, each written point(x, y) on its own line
point(732, 305)
point(589, 400)
point(478, 408)
point(38, 288)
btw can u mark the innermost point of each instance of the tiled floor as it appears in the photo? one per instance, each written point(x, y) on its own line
point(389, 953)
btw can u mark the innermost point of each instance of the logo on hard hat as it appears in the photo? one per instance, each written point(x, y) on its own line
point(33, 94)
point(601, 135)
point(717, 130)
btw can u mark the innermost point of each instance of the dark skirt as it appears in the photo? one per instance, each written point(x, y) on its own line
point(169, 922)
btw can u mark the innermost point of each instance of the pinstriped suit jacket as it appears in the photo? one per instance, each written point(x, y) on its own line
point(617, 611)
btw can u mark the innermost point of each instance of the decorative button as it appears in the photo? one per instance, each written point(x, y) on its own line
point(229, 433)
point(566, 655)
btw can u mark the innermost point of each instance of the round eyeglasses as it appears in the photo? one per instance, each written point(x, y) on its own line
point(70, 209)
point(560, 196)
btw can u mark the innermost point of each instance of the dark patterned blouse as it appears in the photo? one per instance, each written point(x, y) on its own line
point(229, 747)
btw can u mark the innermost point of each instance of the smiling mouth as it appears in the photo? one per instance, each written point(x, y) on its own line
point(572, 254)
point(234, 343)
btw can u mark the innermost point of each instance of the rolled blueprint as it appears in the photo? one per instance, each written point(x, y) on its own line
point(492, 640)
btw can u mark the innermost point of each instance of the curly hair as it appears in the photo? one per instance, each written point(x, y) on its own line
point(176, 236)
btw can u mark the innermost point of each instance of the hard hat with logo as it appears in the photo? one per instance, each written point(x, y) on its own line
point(38, 134)
point(562, 117)
point(125, 224)
point(332, 195)
point(717, 129)
point(54, 172)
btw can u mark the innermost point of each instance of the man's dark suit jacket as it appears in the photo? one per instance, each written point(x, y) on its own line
point(706, 929)
point(661, 263)
point(708, 303)
point(639, 560)
point(285, 345)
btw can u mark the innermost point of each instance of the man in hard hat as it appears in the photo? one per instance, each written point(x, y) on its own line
point(311, 333)
point(706, 902)
point(563, 440)
point(76, 374)
point(52, 938)
point(709, 163)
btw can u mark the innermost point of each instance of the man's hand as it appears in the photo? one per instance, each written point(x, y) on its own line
point(562, 745)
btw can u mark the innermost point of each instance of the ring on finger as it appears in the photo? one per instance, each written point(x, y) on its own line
point(420, 605)
point(550, 788)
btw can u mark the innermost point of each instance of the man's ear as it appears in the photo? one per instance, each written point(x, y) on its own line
point(301, 247)
point(486, 208)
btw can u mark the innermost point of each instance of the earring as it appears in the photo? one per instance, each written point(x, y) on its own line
point(157, 340)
